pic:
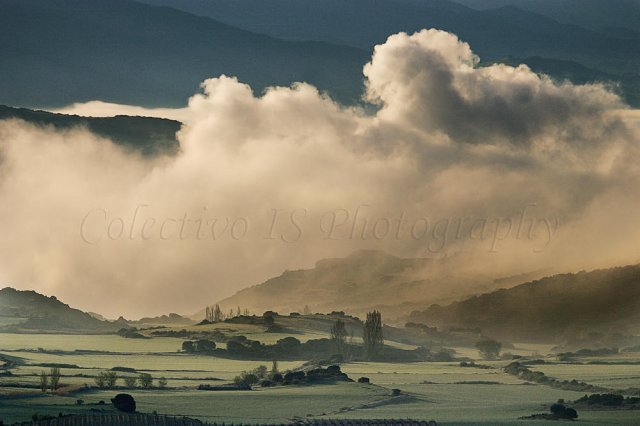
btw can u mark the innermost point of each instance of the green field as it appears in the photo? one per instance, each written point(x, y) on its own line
point(444, 391)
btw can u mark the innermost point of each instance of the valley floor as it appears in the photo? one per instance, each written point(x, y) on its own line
point(445, 392)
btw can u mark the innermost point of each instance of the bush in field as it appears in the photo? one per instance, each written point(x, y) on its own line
point(261, 371)
point(162, 382)
point(205, 346)
point(560, 411)
point(188, 346)
point(288, 345)
point(130, 381)
point(246, 379)
point(145, 379)
point(489, 348)
point(124, 402)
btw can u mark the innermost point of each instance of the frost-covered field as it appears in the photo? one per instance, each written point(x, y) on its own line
point(446, 392)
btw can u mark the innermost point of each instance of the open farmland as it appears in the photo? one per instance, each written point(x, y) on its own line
point(444, 391)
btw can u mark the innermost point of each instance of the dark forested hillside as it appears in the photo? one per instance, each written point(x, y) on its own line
point(550, 308)
point(144, 134)
point(36, 312)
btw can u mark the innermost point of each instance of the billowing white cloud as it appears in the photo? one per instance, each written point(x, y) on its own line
point(507, 167)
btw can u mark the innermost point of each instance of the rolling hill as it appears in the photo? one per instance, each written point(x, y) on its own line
point(33, 312)
point(363, 281)
point(549, 309)
point(56, 52)
point(147, 135)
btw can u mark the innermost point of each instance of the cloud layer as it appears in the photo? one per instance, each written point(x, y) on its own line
point(509, 168)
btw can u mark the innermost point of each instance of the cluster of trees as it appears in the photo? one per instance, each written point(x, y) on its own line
point(214, 313)
point(51, 380)
point(338, 347)
point(109, 379)
point(266, 378)
point(250, 378)
point(489, 349)
point(199, 346)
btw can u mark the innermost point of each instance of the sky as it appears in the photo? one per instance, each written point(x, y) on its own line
point(503, 169)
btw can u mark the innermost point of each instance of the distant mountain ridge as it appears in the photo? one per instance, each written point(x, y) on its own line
point(511, 28)
point(492, 33)
point(594, 14)
point(56, 52)
point(559, 306)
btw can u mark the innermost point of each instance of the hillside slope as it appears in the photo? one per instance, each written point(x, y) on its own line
point(56, 52)
point(145, 134)
point(549, 309)
point(363, 281)
point(35, 312)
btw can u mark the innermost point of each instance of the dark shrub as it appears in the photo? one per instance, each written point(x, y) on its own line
point(558, 410)
point(277, 378)
point(333, 369)
point(395, 392)
point(562, 412)
point(234, 347)
point(205, 346)
point(188, 346)
point(294, 377)
point(363, 380)
point(124, 402)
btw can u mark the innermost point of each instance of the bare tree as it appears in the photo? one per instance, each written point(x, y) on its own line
point(339, 336)
point(372, 335)
point(130, 381)
point(54, 378)
point(44, 381)
point(111, 378)
point(218, 316)
point(145, 379)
